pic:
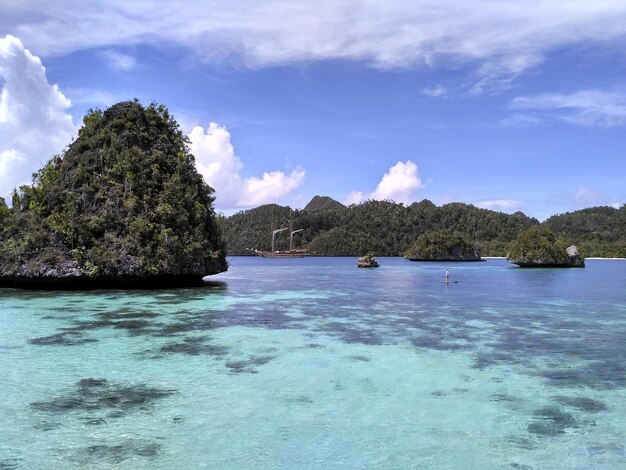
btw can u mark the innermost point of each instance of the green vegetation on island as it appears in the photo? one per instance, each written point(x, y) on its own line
point(442, 245)
point(389, 229)
point(540, 247)
point(383, 227)
point(596, 231)
point(123, 205)
point(367, 261)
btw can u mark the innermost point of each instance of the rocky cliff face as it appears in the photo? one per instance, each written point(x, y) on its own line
point(123, 206)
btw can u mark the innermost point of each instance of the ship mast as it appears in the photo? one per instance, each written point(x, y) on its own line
point(274, 233)
point(291, 238)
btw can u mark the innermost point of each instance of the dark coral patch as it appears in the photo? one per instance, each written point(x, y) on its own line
point(116, 454)
point(551, 421)
point(87, 325)
point(46, 426)
point(248, 365)
point(582, 403)
point(92, 382)
point(360, 358)
point(502, 397)
point(131, 324)
point(98, 394)
point(125, 315)
point(9, 464)
point(67, 338)
point(194, 347)
point(301, 399)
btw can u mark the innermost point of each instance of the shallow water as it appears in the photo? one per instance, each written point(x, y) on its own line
point(315, 364)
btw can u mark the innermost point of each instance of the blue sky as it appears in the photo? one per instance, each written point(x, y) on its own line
point(511, 106)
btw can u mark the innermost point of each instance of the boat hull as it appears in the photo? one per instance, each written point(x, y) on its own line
point(278, 254)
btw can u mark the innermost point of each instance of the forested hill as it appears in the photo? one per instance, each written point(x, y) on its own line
point(384, 227)
point(597, 231)
point(388, 229)
point(322, 203)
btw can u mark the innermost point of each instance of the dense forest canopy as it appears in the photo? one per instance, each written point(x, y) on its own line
point(596, 231)
point(124, 201)
point(442, 245)
point(388, 229)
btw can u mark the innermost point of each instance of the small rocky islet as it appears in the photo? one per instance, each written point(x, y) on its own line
point(540, 247)
point(367, 261)
point(122, 206)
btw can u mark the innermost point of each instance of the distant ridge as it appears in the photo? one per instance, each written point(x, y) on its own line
point(388, 229)
point(323, 203)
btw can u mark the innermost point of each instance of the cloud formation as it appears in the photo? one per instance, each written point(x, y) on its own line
point(220, 167)
point(504, 205)
point(585, 107)
point(119, 61)
point(435, 91)
point(398, 184)
point(588, 196)
point(34, 123)
point(499, 40)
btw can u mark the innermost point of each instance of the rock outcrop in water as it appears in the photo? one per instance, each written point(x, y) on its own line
point(442, 246)
point(539, 247)
point(367, 261)
point(122, 206)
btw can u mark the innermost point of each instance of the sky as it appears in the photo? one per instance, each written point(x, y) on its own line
point(510, 106)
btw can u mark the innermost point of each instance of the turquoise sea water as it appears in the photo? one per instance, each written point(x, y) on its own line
point(315, 364)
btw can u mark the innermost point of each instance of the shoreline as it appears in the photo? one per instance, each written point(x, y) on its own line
point(356, 256)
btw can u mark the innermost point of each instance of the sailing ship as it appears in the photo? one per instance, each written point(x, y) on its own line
point(292, 253)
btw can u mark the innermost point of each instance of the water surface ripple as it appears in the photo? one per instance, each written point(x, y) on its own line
point(315, 364)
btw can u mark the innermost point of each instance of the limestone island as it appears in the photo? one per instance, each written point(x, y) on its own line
point(122, 206)
point(442, 246)
point(367, 261)
point(539, 247)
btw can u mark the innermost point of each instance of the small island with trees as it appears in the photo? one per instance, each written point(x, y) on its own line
point(442, 245)
point(367, 261)
point(122, 206)
point(539, 247)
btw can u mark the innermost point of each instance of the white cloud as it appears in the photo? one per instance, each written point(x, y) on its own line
point(220, 167)
point(499, 204)
point(585, 107)
point(499, 39)
point(355, 197)
point(499, 72)
point(34, 124)
point(519, 120)
point(119, 61)
point(435, 91)
point(398, 184)
point(93, 97)
point(588, 196)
